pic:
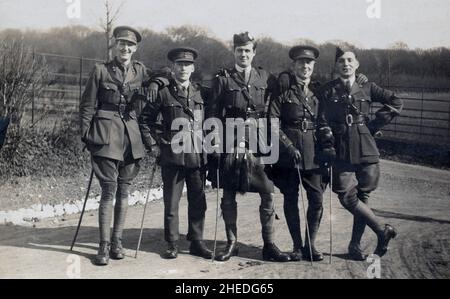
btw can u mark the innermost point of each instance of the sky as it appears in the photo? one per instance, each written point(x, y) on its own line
point(418, 23)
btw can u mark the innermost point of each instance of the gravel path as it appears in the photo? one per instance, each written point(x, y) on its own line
point(414, 199)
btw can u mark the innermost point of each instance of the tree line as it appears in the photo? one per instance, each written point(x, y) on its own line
point(396, 66)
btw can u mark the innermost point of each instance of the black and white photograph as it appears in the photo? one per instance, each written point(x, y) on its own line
point(224, 146)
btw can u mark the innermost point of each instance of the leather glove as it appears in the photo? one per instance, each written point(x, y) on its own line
point(327, 155)
point(294, 154)
point(361, 79)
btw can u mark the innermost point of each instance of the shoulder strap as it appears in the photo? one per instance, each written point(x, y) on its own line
point(306, 105)
point(186, 109)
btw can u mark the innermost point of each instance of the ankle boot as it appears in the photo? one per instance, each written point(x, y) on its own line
point(272, 253)
point(102, 257)
point(383, 240)
point(198, 248)
point(117, 252)
point(171, 251)
point(232, 249)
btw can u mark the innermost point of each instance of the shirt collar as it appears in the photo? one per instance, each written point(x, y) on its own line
point(241, 69)
point(352, 80)
point(184, 84)
point(123, 67)
point(303, 82)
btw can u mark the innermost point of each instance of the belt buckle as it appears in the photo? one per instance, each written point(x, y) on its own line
point(349, 120)
point(304, 126)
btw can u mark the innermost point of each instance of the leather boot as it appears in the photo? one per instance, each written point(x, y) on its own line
point(267, 217)
point(359, 225)
point(272, 253)
point(198, 248)
point(314, 216)
point(102, 257)
point(291, 212)
point(171, 251)
point(117, 252)
point(232, 249)
point(383, 240)
point(317, 256)
point(296, 254)
point(229, 212)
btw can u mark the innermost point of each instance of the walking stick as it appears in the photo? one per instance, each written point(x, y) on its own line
point(82, 211)
point(304, 215)
point(152, 175)
point(217, 215)
point(331, 213)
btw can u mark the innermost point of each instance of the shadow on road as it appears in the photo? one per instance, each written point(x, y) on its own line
point(387, 214)
point(59, 240)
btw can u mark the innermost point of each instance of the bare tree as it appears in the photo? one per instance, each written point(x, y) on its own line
point(112, 14)
point(22, 78)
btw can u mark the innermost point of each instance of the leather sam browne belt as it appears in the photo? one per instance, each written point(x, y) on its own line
point(351, 120)
point(121, 108)
point(304, 125)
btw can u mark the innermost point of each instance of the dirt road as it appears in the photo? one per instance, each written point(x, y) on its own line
point(414, 199)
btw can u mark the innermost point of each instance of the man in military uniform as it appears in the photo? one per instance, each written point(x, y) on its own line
point(297, 108)
point(346, 133)
point(242, 93)
point(180, 100)
point(110, 130)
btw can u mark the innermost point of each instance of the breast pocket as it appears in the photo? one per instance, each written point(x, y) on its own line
point(99, 131)
point(108, 93)
point(362, 102)
point(260, 95)
point(232, 96)
point(290, 109)
point(171, 111)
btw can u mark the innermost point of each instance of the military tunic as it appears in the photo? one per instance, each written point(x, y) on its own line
point(297, 110)
point(108, 113)
point(347, 112)
point(234, 98)
point(187, 166)
point(109, 127)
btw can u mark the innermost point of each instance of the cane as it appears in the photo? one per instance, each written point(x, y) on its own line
point(304, 214)
point(82, 211)
point(331, 213)
point(152, 175)
point(217, 215)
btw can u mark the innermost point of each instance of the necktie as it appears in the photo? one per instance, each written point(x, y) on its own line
point(246, 76)
point(348, 87)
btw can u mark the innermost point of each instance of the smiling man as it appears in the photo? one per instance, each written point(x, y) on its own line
point(180, 101)
point(297, 110)
point(110, 130)
point(242, 93)
point(344, 110)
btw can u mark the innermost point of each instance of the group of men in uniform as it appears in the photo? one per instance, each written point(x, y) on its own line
point(321, 126)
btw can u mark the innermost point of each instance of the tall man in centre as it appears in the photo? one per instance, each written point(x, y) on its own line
point(242, 93)
point(181, 106)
